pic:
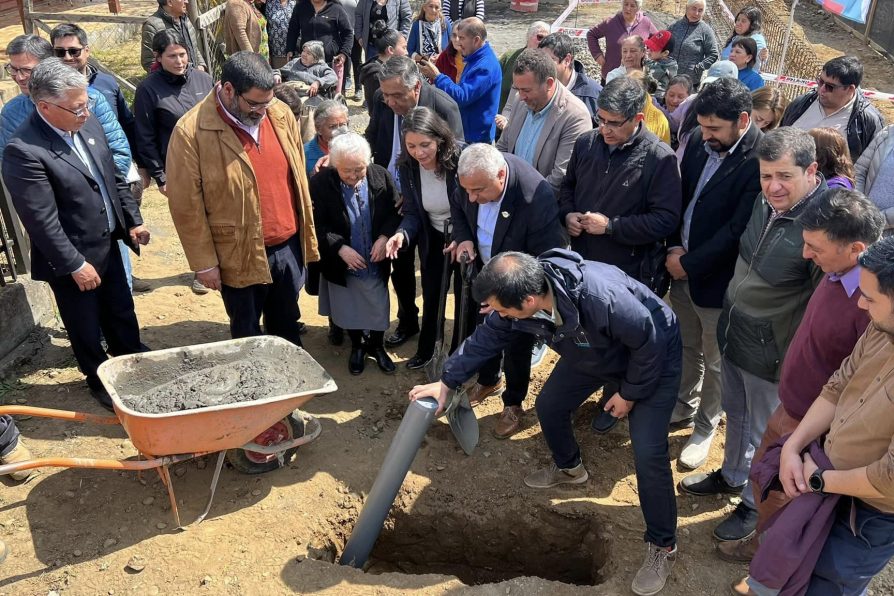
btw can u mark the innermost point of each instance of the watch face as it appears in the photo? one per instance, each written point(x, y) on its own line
point(815, 482)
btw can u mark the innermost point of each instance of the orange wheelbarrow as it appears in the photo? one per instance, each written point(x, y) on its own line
point(254, 436)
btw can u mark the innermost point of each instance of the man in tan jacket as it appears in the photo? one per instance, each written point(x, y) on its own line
point(237, 192)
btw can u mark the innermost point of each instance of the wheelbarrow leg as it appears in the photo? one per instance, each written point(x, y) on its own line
point(166, 478)
point(220, 460)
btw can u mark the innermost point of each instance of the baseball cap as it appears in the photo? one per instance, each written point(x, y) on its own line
point(658, 41)
point(721, 68)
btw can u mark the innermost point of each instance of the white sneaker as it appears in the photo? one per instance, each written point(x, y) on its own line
point(653, 574)
point(695, 452)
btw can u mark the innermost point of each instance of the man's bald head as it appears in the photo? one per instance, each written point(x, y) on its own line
point(510, 278)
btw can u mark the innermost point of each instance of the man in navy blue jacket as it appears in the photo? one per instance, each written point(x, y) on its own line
point(606, 327)
point(478, 90)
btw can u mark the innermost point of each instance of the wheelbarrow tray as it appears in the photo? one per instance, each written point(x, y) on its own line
point(211, 428)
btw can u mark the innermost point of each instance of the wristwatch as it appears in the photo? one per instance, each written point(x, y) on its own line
point(815, 482)
point(609, 226)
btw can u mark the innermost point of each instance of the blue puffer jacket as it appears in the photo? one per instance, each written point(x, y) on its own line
point(17, 110)
point(477, 94)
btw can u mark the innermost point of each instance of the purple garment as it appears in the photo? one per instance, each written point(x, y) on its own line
point(796, 534)
point(839, 182)
point(615, 31)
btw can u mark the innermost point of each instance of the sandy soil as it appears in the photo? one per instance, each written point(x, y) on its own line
point(458, 520)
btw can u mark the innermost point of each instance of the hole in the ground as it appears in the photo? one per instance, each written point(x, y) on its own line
point(493, 548)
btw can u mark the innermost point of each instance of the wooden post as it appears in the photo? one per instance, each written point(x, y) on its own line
point(115, 6)
point(869, 19)
point(26, 8)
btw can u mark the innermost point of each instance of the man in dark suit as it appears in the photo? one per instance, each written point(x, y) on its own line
point(401, 89)
point(720, 180)
point(75, 207)
point(502, 204)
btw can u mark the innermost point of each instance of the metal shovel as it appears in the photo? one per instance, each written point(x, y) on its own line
point(435, 366)
point(460, 416)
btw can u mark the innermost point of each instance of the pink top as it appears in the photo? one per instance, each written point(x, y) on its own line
point(615, 30)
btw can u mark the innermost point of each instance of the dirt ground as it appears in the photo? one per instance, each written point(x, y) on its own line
point(461, 524)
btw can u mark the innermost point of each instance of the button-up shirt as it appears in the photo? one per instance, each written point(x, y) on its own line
point(850, 280)
point(862, 431)
point(526, 144)
point(815, 117)
point(487, 223)
point(715, 160)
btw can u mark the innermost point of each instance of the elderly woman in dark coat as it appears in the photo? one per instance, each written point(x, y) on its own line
point(355, 212)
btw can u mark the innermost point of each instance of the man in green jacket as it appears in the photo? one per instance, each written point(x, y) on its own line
point(762, 308)
point(171, 14)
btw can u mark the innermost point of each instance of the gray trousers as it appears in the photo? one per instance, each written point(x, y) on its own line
point(699, 395)
point(9, 435)
point(749, 402)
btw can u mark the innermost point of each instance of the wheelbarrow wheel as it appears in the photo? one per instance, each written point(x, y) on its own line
point(253, 462)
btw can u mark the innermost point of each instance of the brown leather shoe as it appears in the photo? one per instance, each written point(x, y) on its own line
point(740, 588)
point(509, 422)
point(480, 392)
point(738, 551)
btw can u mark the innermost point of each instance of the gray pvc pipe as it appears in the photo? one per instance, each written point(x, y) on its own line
point(406, 442)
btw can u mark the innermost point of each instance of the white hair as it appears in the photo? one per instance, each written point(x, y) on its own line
point(536, 27)
point(689, 3)
point(349, 144)
point(480, 157)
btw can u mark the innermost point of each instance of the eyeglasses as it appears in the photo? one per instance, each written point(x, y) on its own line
point(254, 106)
point(830, 87)
point(600, 123)
point(14, 72)
point(80, 112)
point(73, 52)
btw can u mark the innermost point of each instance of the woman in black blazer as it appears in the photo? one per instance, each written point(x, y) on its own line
point(355, 212)
point(427, 169)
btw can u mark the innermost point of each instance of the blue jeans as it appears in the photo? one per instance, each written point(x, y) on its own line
point(848, 563)
point(125, 259)
point(9, 435)
point(570, 385)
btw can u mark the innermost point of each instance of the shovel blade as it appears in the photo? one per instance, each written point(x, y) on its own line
point(464, 424)
point(435, 366)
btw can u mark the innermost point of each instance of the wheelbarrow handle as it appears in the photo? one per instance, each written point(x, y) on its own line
point(60, 414)
point(100, 464)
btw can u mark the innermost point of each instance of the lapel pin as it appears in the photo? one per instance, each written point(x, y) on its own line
point(91, 141)
point(505, 214)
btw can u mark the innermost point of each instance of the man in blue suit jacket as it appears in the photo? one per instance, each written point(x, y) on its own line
point(502, 204)
point(75, 206)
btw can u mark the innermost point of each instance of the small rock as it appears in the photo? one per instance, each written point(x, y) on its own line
point(136, 563)
point(53, 374)
point(52, 593)
point(104, 565)
point(684, 532)
point(148, 500)
point(21, 400)
point(109, 543)
point(256, 492)
point(70, 494)
point(201, 463)
point(206, 580)
point(179, 472)
point(694, 506)
point(486, 454)
point(735, 500)
point(440, 468)
point(160, 317)
point(387, 392)
point(77, 553)
point(161, 525)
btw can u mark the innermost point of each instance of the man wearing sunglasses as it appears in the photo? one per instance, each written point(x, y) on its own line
point(237, 191)
point(75, 205)
point(837, 102)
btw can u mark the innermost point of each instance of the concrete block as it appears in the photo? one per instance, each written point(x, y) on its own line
point(24, 307)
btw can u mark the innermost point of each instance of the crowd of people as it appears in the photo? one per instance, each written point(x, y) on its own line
point(687, 241)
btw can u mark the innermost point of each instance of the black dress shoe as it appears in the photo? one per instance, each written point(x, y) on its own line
point(417, 362)
point(702, 485)
point(102, 396)
point(355, 362)
point(400, 336)
point(386, 365)
point(739, 525)
point(336, 335)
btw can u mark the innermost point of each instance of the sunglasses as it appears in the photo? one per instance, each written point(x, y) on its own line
point(830, 87)
point(73, 52)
